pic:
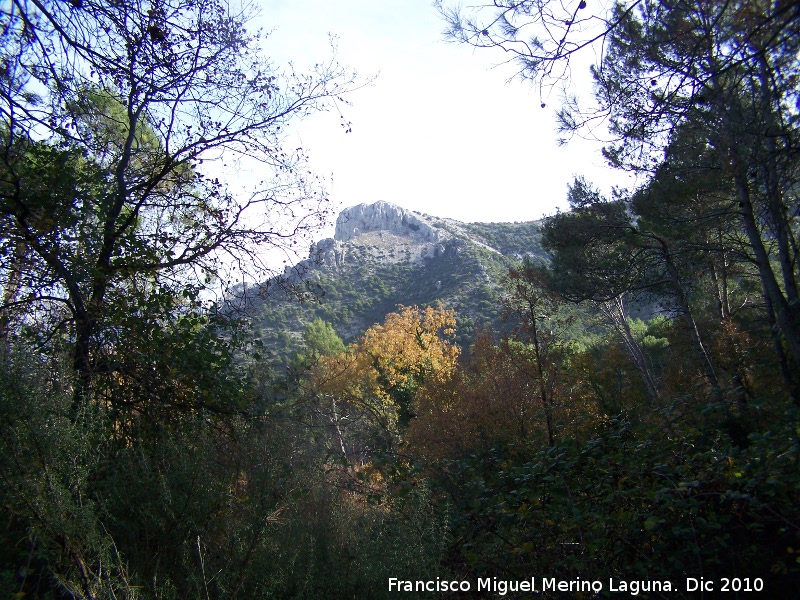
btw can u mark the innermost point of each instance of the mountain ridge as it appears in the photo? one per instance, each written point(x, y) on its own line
point(382, 256)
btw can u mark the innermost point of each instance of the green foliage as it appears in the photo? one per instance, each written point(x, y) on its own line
point(511, 239)
point(334, 546)
point(625, 506)
point(320, 339)
point(215, 507)
point(48, 464)
point(647, 334)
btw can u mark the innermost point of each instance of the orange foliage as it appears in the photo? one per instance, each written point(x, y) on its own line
point(376, 379)
point(411, 346)
point(495, 399)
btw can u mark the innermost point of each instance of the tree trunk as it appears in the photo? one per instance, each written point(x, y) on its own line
point(546, 402)
point(81, 363)
point(694, 332)
point(614, 311)
point(786, 315)
point(11, 291)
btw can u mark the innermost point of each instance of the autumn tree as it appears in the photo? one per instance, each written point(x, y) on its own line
point(509, 389)
point(493, 399)
point(373, 385)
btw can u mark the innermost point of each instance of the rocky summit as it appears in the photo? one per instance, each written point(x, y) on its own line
point(382, 256)
point(384, 217)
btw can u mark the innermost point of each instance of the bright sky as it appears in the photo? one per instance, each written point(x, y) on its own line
point(440, 130)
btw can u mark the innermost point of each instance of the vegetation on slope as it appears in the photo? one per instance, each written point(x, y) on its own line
point(463, 277)
point(148, 449)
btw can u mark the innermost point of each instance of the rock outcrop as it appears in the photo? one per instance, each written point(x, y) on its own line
point(383, 216)
point(381, 232)
point(328, 252)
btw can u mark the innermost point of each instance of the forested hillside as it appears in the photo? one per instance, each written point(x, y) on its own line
point(382, 257)
point(512, 431)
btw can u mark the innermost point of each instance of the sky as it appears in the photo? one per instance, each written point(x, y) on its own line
point(440, 130)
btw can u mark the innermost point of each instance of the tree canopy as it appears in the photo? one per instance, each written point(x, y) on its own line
point(701, 99)
point(121, 105)
point(632, 414)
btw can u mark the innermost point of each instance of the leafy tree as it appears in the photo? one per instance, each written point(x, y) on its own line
point(373, 384)
point(725, 71)
point(538, 345)
point(411, 348)
point(132, 98)
point(320, 339)
point(603, 250)
point(701, 103)
point(114, 231)
point(507, 391)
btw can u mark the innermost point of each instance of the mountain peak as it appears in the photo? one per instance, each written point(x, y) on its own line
point(383, 256)
point(383, 216)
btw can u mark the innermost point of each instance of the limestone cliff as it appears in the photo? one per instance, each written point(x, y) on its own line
point(379, 232)
point(383, 216)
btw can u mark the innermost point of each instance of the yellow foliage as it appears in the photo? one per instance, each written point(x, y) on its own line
point(411, 346)
point(390, 362)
